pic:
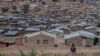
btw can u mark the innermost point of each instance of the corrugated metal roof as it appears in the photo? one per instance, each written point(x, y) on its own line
point(41, 32)
point(80, 33)
point(11, 33)
point(7, 39)
point(91, 27)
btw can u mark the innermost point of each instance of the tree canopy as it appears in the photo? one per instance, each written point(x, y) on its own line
point(95, 40)
point(25, 9)
point(98, 24)
point(81, 1)
point(4, 10)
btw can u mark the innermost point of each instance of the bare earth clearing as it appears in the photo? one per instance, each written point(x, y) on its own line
point(61, 49)
point(14, 50)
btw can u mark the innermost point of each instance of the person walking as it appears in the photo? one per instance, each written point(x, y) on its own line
point(73, 50)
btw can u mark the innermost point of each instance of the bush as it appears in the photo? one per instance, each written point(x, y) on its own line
point(96, 54)
point(81, 54)
point(57, 55)
point(22, 53)
point(98, 24)
point(95, 40)
point(4, 10)
point(81, 1)
point(2, 54)
point(33, 53)
point(25, 8)
point(15, 12)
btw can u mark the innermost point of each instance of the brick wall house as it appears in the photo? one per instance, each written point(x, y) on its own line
point(6, 41)
point(91, 29)
point(76, 28)
point(19, 41)
point(80, 38)
point(40, 39)
point(79, 41)
point(2, 45)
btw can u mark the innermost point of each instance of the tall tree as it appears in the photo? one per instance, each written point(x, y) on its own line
point(4, 10)
point(98, 24)
point(25, 9)
point(81, 1)
point(95, 40)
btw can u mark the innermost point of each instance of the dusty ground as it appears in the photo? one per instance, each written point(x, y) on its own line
point(14, 50)
point(62, 49)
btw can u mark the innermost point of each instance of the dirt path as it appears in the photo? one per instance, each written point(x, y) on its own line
point(56, 50)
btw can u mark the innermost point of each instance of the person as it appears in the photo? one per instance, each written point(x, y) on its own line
point(73, 50)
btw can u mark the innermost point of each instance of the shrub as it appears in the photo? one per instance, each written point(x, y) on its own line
point(2, 54)
point(4, 10)
point(81, 54)
point(98, 24)
point(57, 54)
point(95, 40)
point(25, 8)
point(33, 53)
point(96, 54)
point(22, 53)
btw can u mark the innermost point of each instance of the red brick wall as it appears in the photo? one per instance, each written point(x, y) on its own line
point(2, 45)
point(19, 41)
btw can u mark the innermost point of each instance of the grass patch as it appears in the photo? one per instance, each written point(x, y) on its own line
point(96, 54)
point(82, 54)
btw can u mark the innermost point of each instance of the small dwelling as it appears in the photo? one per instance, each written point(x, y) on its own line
point(76, 27)
point(91, 29)
point(40, 39)
point(7, 41)
point(80, 38)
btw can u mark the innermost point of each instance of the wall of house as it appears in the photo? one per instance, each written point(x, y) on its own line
point(90, 42)
point(19, 41)
point(98, 33)
point(92, 31)
point(76, 28)
point(69, 42)
point(2, 45)
point(79, 41)
point(67, 31)
point(33, 41)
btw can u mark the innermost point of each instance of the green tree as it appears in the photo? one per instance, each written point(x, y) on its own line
point(81, 1)
point(25, 9)
point(98, 24)
point(15, 12)
point(4, 10)
point(95, 40)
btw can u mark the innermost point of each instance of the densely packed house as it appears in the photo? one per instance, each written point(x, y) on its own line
point(48, 22)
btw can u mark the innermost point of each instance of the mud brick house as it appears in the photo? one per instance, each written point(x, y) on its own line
point(5, 3)
point(40, 39)
point(65, 29)
point(6, 41)
point(61, 30)
point(19, 41)
point(98, 32)
point(80, 38)
point(76, 27)
point(92, 29)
